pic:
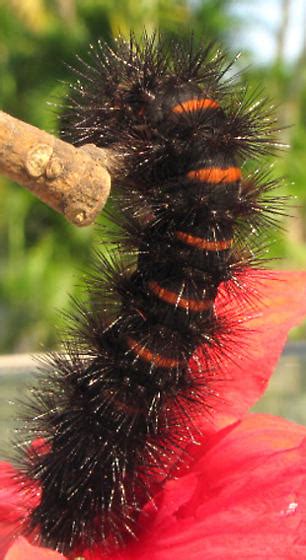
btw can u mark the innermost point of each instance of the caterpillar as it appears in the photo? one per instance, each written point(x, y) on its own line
point(116, 409)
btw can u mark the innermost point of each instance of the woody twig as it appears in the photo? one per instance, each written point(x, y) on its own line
point(74, 181)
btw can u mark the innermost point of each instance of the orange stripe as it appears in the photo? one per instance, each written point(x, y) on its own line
point(195, 105)
point(216, 174)
point(203, 243)
point(174, 299)
point(121, 406)
point(148, 356)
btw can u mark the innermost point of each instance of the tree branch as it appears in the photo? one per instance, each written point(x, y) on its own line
point(73, 181)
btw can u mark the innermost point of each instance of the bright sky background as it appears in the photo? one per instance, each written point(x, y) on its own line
point(264, 20)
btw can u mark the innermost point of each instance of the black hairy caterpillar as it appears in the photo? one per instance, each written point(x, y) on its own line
point(115, 410)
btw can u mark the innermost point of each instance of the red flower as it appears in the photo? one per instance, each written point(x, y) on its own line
point(245, 495)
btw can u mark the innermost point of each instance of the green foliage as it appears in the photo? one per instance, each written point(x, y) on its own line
point(41, 256)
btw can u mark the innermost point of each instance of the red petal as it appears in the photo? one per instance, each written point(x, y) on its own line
point(245, 498)
point(22, 550)
point(14, 503)
point(244, 372)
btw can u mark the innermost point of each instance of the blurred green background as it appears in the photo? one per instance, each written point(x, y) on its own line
point(42, 257)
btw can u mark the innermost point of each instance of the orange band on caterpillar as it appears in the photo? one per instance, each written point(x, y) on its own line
point(216, 174)
point(204, 244)
point(120, 405)
point(195, 105)
point(174, 299)
point(148, 356)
